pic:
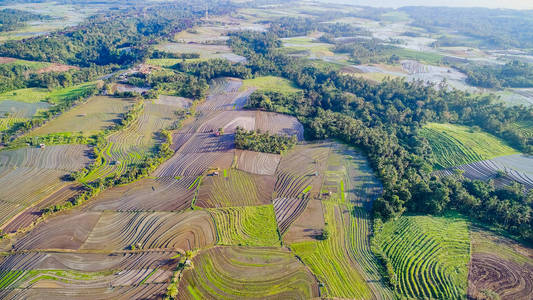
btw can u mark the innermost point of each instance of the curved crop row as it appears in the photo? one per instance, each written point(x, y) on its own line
point(247, 226)
point(331, 261)
point(247, 273)
point(455, 145)
point(303, 166)
point(429, 256)
point(116, 231)
point(235, 188)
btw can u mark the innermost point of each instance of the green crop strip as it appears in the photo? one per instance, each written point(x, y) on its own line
point(148, 276)
point(246, 226)
point(429, 255)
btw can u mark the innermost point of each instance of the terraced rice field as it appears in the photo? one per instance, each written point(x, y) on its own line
point(247, 273)
point(335, 267)
point(224, 94)
point(135, 142)
point(29, 175)
point(257, 162)
point(348, 190)
point(279, 124)
point(22, 110)
point(160, 194)
point(302, 167)
point(429, 255)
point(515, 168)
point(235, 188)
point(97, 114)
point(246, 226)
point(115, 231)
point(25, 218)
point(160, 230)
point(499, 267)
point(455, 145)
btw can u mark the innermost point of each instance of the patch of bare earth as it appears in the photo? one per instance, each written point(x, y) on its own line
point(490, 275)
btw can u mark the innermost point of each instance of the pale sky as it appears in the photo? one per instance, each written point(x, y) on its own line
point(514, 4)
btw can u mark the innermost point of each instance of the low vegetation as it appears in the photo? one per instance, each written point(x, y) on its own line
point(429, 256)
point(454, 145)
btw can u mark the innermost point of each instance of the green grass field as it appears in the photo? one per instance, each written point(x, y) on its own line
point(270, 83)
point(57, 96)
point(246, 226)
point(96, 114)
point(455, 145)
point(29, 95)
point(427, 57)
point(429, 255)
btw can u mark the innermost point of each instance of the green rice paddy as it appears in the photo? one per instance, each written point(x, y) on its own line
point(455, 145)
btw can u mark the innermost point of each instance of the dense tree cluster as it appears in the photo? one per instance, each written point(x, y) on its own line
point(213, 68)
point(255, 140)
point(12, 19)
point(514, 74)
point(118, 37)
point(495, 28)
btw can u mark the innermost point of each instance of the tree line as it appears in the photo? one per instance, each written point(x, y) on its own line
point(255, 140)
point(383, 119)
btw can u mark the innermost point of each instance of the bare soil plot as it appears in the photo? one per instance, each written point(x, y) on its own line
point(56, 68)
point(300, 169)
point(257, 162)
point(308, 226)
point(86, 262)
point(60, 232)
point(208, 142)
point(279, 124)
point(161, 194)
point(144, 291)
point(247, 273)
point(515, 168)
point(98, 113)
point(499, 267)
point(120, 87)
point(194, 164)
point(159, 230)
point(491, 274)
point(176, 101)
point(224, 94)
point(29, 175)
point(235, 188)
point(29, 215)
point(229, 121)
point(288, 210)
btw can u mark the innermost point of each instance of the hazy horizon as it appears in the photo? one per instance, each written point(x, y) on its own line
point(511, 4)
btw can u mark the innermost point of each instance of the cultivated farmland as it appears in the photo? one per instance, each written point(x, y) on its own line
point(455, 145)
point(247, 273)
point(499, 267)
point(429, 255)
point(235, 188)
point(97, 114)
point(504, 170)
point(29, 175)
point(246, 226)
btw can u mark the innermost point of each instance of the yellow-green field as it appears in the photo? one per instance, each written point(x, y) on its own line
point(455, 145)
point(270, 83)
point(96, 114)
